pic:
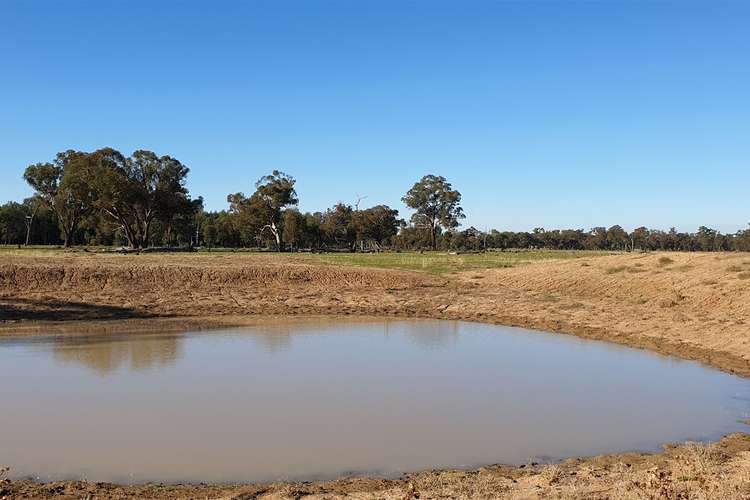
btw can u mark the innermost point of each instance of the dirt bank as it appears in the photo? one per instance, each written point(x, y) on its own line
point(695, 306)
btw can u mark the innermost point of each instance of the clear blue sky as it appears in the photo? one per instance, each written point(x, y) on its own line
point(552, 114)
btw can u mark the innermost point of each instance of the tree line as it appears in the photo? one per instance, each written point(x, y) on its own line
point(107, 198)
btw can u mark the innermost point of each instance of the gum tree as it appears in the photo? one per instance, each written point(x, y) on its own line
point(160, 192)
point(61, 190)
point(436, 205)
point(263, 210)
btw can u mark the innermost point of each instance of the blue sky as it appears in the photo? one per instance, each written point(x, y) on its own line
point(551, 114)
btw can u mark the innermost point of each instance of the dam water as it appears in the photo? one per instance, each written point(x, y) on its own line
point(320, 398)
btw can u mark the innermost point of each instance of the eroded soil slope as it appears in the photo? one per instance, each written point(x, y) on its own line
point(690, 305)
point(112, 286)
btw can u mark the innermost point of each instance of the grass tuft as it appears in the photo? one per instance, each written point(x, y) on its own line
point(664, 261)
point(614, 270)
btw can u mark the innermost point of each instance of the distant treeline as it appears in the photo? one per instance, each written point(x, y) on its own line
point(104, 198)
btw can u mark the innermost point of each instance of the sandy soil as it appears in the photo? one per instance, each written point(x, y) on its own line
point(694, 306)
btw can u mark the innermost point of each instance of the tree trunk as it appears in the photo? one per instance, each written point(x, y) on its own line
point(146, 233)
point(29, 222)
point(64, 227)
point(68, 230)
point(132, 242)
point(130, 235)
point(276, 235)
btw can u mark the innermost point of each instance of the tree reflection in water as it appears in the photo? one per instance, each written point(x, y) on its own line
point(142, 351)
point(106, 354)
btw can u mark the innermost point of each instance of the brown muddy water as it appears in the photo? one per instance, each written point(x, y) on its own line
point(321, 398)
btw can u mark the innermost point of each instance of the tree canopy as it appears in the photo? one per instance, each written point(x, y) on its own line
point(130, 192)
point(106, 198)
point(61, 190)
point(263, 210)
point(436, 205)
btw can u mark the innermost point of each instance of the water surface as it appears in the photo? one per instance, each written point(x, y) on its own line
point(319, 398)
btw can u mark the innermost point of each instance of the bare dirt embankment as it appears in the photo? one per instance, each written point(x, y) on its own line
point(695, 306)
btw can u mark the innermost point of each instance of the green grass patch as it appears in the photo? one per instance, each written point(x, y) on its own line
point(429, 262)
point(31, 251)
point(441, 262)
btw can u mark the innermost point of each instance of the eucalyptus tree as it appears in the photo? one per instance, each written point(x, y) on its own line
point(617, 238)
point(337, 226)
point(133, 191)
point(293, 228)
point(159, 191)
point(742, 240)
point(61, 190)
point(273, 193)
point(106, 171)
point(437, 205)
point(12, 225)
point(376, 224)
point(263, 210)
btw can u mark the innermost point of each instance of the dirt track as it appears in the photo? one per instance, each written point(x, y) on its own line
point(694, 306)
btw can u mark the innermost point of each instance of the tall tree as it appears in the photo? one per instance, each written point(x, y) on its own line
point(707, 239)
point(293, 230)
point(639, 238)
point(436, 203)
point(107, 172)
point(617, 238)
point(376, 224)
point(743, 240)
point(61, 191)
point(159, 190)
point(337, 226)
point(263, 210)
point(132, 192)
point(12, 222)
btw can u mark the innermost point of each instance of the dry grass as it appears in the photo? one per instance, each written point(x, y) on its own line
point(615, 269)
point(683, 268)
point(664, 261)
